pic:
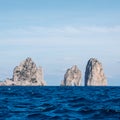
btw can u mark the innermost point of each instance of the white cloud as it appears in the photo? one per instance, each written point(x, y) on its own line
point(74, 30)
point(118, 61)
point(38, 30)
point(95, 29)
point(37, 35)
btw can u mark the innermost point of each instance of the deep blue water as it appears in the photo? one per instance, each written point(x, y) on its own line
point(59, 103)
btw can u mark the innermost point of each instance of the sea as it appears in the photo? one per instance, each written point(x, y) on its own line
point(59, 103)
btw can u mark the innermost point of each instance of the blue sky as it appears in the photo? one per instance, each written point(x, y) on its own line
point(58, 34)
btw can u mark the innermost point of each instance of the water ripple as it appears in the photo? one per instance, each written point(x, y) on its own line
point(66, 103)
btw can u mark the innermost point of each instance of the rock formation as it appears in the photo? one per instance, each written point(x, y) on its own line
point(94, 74)
point(72, 77)
point(26, 74)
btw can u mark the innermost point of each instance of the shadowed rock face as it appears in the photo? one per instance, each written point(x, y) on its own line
point(26, 73)
point(72, 77)
point(94, 74)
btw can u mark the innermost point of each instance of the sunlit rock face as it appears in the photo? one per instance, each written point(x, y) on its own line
point(26, 74)
point(94, 74)
point(72, 77)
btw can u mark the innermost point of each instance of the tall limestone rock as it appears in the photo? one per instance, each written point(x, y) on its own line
point(72, 77)
point(94, 74)
point(26, 74)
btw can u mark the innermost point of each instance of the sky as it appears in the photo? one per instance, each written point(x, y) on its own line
point(58, 34)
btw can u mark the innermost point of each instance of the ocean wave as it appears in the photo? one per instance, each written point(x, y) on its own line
point(72, 103)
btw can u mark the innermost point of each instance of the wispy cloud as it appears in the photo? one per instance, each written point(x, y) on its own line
point(35, 30)
point(72, 29)
point(118, 61)
point(35, 35)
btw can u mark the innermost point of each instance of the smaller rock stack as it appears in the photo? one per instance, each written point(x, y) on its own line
point(72, 77)
point(94, 74)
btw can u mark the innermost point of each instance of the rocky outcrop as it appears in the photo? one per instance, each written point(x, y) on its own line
point(72, 77)
point(94, 74)
point(26, 74)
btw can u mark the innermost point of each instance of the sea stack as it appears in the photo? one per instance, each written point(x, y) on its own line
point(72, 77)
point(26, 74)
point(94, 74)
